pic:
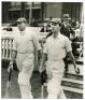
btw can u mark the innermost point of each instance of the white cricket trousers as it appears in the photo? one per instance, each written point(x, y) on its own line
point(25, 66)
point(24, 85)
point(55, 71)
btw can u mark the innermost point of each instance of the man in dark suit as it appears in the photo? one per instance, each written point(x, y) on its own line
point(66, 26)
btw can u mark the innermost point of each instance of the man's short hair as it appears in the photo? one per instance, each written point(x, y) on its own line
point(21, 20)
point(56, 21)
point(66, 17)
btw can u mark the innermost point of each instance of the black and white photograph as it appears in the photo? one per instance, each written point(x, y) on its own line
point(42, 46)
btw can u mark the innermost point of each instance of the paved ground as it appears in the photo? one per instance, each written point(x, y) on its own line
point(14, 90)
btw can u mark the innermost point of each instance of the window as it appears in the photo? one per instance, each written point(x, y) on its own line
point(15, 5)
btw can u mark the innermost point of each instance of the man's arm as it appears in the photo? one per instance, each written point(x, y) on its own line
point(69, 53)
point(74, 62)
point(13, 56)
point(12, 61)
point(72, 58)
point(43, 60)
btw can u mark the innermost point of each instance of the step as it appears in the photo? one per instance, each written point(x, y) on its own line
point(72, 95)
point(75, 90)
point(73, 76)
point(79, 61)
point(72, 84)
point(73, 81)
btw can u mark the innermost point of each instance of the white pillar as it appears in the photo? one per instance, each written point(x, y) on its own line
point(82, 20)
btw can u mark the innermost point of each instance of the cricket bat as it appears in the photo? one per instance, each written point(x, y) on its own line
point(8, 84)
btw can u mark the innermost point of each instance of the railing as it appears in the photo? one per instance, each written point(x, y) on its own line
point(6, 47)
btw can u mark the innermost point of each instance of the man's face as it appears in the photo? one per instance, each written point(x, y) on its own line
point(21, 26)
point(55, 28)
point(66, 21)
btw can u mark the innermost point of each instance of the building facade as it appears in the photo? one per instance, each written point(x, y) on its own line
point(40, 10)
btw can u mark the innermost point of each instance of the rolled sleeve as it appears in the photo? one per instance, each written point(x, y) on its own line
point(68, 45)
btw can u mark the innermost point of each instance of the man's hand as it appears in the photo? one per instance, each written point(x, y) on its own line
point(42, 63)
point(10, 67)
point(41, 68)
point(77, 70)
